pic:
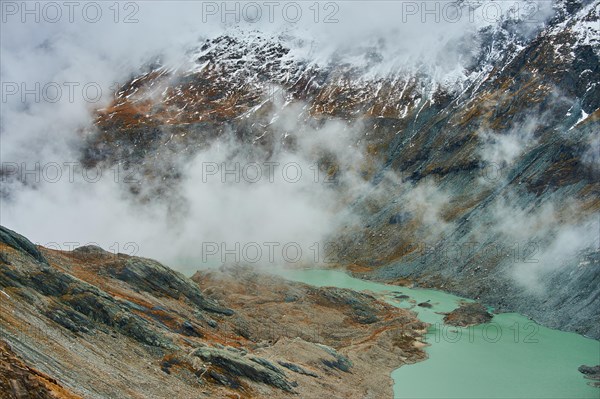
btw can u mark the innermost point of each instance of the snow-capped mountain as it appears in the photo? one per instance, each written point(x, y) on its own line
point(495, 144)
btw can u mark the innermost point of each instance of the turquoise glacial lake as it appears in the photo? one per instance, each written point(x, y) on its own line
point(511, 357)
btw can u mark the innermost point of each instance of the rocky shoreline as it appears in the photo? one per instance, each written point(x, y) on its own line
point(95, 325)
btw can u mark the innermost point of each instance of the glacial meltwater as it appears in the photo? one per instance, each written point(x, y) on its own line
point(511, 357)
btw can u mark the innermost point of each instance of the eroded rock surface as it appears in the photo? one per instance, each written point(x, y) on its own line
point(92, 324)
point(468, 314)
point(18, 380)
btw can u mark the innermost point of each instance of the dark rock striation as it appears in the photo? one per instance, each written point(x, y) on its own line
point(88, 323)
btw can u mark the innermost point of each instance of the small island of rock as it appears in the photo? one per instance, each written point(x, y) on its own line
point(468, 314)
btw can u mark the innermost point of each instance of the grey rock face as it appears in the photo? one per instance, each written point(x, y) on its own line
point(20, 243)
point(339, 361)
point(255, 369)
point(151, 276)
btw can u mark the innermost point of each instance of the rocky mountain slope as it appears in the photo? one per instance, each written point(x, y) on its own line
point(89, 323)
point(22, 381)
point(484, 184)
